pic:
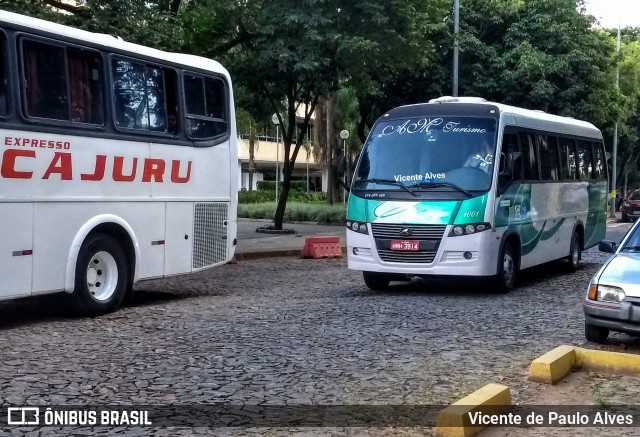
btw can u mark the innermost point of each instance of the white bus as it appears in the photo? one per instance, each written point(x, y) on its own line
point(118, 163)
point(466, 187)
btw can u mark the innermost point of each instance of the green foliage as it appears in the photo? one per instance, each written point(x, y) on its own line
point(296, 212)
point(269, 195)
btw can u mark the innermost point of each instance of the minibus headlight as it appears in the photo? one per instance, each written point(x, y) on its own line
point(469, 229)
point(359, 227)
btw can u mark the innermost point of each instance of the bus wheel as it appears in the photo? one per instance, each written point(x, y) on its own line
point(595, 334)
point(575, 252)
point(101, 276)
point(376, 281)
point(506, 278)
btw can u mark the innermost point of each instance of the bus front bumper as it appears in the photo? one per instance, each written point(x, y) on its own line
point(469, 255)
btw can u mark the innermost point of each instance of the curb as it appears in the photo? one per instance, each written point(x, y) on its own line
point(559, 362)
point(455, 420)
point(245, 256)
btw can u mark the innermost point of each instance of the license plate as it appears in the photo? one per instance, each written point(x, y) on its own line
point(405, 245)
point(634, 212)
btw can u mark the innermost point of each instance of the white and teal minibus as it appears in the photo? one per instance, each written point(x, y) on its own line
point(463, 187)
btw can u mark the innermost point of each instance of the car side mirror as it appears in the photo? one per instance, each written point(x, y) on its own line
point(607, 246)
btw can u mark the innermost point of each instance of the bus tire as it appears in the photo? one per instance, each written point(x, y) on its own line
point(505, 280)
point(575, 252)
point(595, 334)
point(101, 276)
point(376, 281)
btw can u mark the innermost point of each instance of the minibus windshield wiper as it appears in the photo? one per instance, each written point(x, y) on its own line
point(389, 182)
point(440, 184)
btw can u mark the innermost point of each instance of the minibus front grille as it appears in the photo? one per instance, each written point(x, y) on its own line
point(415, 232)
point(209, 234)
point(383, 232)
point(406, 257)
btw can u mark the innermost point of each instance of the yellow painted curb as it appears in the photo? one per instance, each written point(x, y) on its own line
point(558, 363)
point(454, 421)
point(553, 366)
point(606, 361)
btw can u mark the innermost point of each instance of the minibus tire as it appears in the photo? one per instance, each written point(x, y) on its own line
point(376, 281)
point(505, 279)
point(575, 253)
point(101, 276)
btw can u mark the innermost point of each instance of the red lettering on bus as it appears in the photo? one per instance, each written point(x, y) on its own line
point(7, 141)
point(8, 169)
point(118, 176)
point(61, 163)
point(98, 173)
point(175, 172)
point(153, 168)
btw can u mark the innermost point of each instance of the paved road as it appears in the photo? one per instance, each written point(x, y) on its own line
point(287, 331)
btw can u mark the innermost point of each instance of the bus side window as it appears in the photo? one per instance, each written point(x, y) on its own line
point(3, 75)
point(205, 106)
point(511, 164)
point(567, 158)
point(139, 96)
point(529, 161)
point(585, 162)
point(62, 83)
point(45, 81)
point(548, 150)
point(598, 161)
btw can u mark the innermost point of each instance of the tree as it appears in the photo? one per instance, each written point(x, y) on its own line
point(293, 53)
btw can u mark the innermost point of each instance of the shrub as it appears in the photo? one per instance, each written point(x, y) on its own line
point(262, 196)
point(296, 212)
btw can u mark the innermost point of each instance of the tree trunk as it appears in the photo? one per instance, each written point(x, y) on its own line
point(330, 103)
point(252, 146)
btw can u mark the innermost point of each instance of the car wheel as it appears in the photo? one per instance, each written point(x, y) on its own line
point(507, 269)
point(101, 276)
point(575, 253)
point(595, 334)
point(376, 281)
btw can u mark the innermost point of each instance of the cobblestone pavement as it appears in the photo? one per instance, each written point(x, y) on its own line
point(287, 331)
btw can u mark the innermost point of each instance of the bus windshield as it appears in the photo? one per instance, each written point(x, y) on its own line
point(420, 153)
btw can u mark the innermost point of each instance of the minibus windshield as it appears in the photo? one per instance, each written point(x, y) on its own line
point(426, 153)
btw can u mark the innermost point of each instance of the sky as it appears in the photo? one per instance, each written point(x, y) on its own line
point(610, 13)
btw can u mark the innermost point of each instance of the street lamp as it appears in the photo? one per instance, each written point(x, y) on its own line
point(344, 134)
point(275, 120)
point(456, 30)
point(614, 169)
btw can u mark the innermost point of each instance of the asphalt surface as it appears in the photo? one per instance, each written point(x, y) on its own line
point(292, 332)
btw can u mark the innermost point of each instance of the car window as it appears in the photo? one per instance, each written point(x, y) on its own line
point(635, 195)
point(634, 239)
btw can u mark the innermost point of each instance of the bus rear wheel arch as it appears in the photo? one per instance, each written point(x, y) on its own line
point(102, 275)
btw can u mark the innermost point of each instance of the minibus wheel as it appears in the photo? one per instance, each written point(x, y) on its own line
point(507, 268)
point(101, 275)
point(376, 281)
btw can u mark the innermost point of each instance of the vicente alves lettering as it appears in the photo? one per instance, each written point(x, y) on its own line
point(419, 177)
